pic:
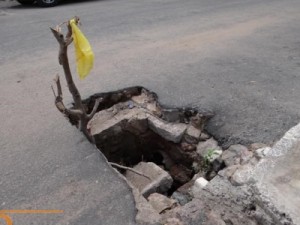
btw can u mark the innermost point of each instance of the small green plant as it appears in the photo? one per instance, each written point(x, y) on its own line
point(208, 157)
point(210, 153)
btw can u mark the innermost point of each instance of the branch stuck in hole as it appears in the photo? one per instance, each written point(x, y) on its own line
point(79, 112)
point(128, 168)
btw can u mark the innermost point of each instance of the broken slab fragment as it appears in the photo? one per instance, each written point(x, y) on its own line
point(236, 154)
point(148, 101)
point(193, 132)
point(146, 214)
point(181, 198)
point(254, 146)
point(245, 156)
point(262, 152)
point(230, 158)
point(113, 116)
point(237, 149)
point(199, 184)
point(228, 171)
point(161, 203)
point(160, 181)
point(192, 135)
point(204, 136)
point(242, 175)
point(170, 131)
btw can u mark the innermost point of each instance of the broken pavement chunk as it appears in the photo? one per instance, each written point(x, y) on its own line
point(193, 132)
point(170, 131)
point(160, 202)
point(146, 214)
point(199, 184)
point(242, 175)
point(230, 158)
point(160, 181)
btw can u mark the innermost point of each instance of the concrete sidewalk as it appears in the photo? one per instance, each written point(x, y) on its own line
point(278, 179)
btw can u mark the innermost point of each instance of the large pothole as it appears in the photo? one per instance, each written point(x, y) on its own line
point(137, 132)
point(173, 160)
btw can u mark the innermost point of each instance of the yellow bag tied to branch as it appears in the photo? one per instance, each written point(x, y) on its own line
point(83, 51)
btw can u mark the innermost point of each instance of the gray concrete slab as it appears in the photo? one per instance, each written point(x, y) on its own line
point(278, 178)
point(284, 183)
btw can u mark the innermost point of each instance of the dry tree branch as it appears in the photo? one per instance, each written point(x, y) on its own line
point(130, 169)
point(79, 111)
point(59, 101)
point(53, 91)
point(58, 85)
point(97, 103)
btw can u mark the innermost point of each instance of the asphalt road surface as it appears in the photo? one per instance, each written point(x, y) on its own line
point(238, 58)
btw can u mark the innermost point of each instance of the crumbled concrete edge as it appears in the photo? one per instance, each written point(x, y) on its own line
point(261, 192)
point(142, 207)
point(130, 187)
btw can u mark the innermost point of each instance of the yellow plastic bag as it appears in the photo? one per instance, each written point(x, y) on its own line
point(83, 51)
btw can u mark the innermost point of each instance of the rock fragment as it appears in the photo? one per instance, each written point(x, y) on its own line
point(199, 184)
point(230, 158)
point(146, 215)
point(170, 131)
point(193, 132)
point(242, 175)
point(160, 181)
point(236, 154)
point(254, 146)
point(262, 152)
point(237, 149)
point(204, 137)
point(160, 202)
point(229, 171)
point(192, 135)
point(245, 156)
point(181, 198)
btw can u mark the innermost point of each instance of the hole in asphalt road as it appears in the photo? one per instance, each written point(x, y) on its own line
point(132, 129)
point(165, 153)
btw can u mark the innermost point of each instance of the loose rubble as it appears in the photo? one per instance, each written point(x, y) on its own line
point(192, 179)
point(161, 203)
point(160, 181)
